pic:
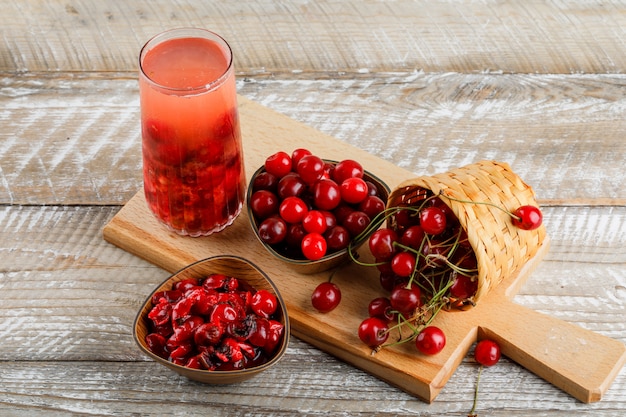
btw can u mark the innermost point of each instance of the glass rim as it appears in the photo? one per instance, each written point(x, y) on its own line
point(182, 33)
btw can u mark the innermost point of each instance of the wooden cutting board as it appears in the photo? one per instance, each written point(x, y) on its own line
point(578, 361)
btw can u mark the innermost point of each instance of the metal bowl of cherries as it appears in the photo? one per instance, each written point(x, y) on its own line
point(220, 320)
point(308, 211)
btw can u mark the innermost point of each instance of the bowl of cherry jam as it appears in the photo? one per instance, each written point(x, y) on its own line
point(309, 212)
point(220, 320)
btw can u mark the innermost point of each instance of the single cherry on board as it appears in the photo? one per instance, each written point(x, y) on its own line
point(326, 297)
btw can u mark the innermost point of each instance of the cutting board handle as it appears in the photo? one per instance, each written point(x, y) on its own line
point(579, 361)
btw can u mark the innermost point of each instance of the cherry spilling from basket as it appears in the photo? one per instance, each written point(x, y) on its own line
point(428, 262)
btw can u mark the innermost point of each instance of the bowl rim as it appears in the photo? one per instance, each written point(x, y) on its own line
point(303, 262)
point(233, 373)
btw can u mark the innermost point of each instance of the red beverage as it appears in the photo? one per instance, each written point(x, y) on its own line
point(194, 178)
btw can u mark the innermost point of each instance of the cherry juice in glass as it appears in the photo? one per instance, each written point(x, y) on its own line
point(193, 171)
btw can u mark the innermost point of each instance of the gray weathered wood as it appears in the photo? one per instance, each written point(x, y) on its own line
point(73, 140)
point(427, 85)
point(61, 304)
point(327, 37)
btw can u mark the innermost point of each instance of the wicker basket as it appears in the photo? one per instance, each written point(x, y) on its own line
point(501, 249)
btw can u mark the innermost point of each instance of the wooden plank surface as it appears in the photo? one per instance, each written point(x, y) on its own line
point(85, 146)
point(327, 37)
point(57, 328)
point(423, 85)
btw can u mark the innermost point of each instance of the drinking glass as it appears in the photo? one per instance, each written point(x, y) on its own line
point(193, 170)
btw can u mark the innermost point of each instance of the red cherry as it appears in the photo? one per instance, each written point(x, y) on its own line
point(314, 221)
point(182, 309)
point(179, 352)
point(161, 313)
point(297, 155)
point(185, 285)
point(330, 219)
point(438, 202)
point(290, 185)
point(373, 332)
point(413, 237)
point(314, 246)
point(381, 244)
point(326, 194)
point(264, 303)
point(381, 307)
point(373, 189)
point(263, 204)
point(273, 337)
point(310, 168)
point(345, 169)
point(406, 300)
point(278, 164)
point(487, 352)
point(326, 297)
point(293, 209)
point(272, 230)
point(463, 287)
point(208, 334)
point(295, 234)
point(337, 238)
point(223, 313)
point(217, 282)
point(403, 264)
point(264, 181)
point(433, 220)
point(354, 190)
point(388, 280)
point(372, 206)
point(431, 340)
point(356, 222)
point(259, 334)
point(170, 296)
point(328, 171)
point(156, 344)
point(405, 218)
point(527, 217)
point(435, 253)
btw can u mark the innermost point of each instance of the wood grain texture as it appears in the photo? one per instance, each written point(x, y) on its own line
point(538, 345)
point(142, 388)
point(54, 253)
point(75, 139)
point(326, 37)
point(57, 326)
point(426, 85)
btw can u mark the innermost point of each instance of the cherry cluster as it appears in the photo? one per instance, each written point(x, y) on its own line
point(306, 208)
point(426, 264)
point(215, 323)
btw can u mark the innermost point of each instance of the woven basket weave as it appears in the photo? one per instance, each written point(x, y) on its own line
point(501, 249)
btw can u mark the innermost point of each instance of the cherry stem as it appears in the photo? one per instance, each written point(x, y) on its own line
point(381, 217)
point(424, 315)
point(472, 412)
point(486, 203)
